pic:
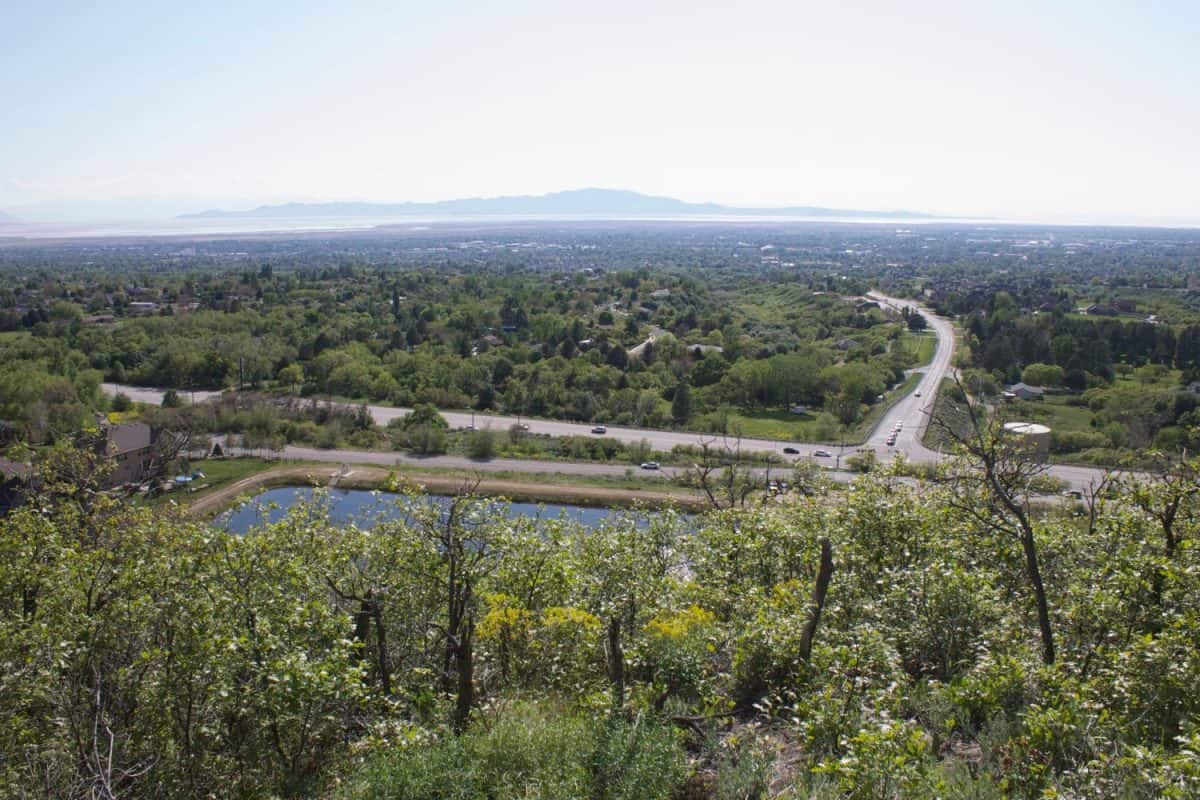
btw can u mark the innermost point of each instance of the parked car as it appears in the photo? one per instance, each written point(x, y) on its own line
point(791, 451)
point(599, 429)
point(822, 454)
point(649, 465)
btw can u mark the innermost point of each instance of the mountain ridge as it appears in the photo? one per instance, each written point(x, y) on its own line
point(572, 202)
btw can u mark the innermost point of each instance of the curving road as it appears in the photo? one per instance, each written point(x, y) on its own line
point(911, 412)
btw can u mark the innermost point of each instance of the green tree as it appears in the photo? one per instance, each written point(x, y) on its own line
point(291, 376)
point(425, 415)
point(682, 406)
point(1043, 375)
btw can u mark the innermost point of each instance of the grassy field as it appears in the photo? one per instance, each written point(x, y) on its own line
point(921, 345)
point(218, 473)
point(784, 425)
point(1052, 411)
point(820, 427)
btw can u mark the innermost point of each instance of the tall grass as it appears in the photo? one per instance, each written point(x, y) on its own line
point(533, 753)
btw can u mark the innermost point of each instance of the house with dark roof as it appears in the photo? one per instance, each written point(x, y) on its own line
point(131, 446)
point(1024, 391)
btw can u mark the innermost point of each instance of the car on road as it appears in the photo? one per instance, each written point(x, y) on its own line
point(918, 394)
point(791, 451)
point(599, 429)
point(651, 465)
point(822, 454)
point(521, 426)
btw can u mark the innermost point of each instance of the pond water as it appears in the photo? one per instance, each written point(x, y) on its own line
point(364, 508)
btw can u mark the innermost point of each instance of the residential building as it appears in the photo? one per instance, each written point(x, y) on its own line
point(131, 446)
point(1024, 391)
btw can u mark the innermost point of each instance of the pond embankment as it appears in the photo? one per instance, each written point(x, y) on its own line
point(213, 503)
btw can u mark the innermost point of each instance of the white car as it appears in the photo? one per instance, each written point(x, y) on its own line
point(822, 454)
point(650, 465)
point(599, 429)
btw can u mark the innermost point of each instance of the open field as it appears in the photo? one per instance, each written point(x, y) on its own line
point(819, 428)
point(921, 345)
point(218, 474)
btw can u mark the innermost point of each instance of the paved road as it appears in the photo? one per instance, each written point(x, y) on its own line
point(507, 465)
point(657, 439)
point(911, 412)
point(463, 463)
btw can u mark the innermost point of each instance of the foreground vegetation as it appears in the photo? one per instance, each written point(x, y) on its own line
point(876, 641)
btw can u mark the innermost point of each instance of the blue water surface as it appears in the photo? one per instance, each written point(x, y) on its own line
point(364, 508)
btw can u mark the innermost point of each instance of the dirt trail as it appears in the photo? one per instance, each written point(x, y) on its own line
point(375, 478)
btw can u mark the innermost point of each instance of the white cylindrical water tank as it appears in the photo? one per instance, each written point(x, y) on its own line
point(1032, 438)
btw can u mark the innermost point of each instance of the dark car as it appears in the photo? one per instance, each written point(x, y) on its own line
point(791, 451)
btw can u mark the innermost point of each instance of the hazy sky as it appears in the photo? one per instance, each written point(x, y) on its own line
point(1053, 110)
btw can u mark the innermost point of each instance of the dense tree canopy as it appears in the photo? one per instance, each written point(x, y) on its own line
point(146, 655)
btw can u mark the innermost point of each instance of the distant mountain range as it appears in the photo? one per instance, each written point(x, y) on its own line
point(576, 202)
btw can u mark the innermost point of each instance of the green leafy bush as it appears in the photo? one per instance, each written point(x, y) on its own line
point(531, 751)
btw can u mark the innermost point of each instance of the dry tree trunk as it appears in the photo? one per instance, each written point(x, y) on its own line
point(616, 662)
point(820, 589)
